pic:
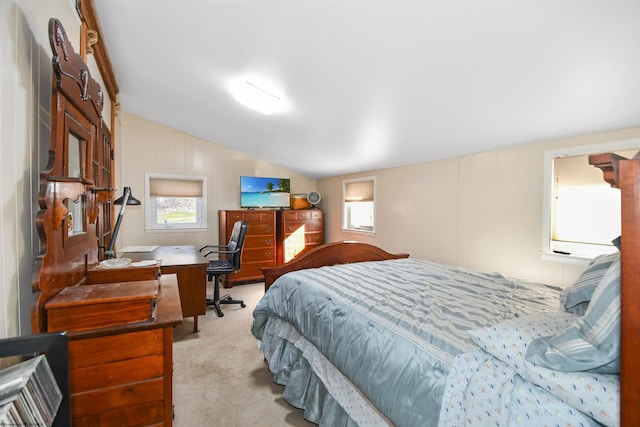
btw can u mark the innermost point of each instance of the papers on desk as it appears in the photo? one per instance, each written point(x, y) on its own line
point(138, 249)
point(144, 263)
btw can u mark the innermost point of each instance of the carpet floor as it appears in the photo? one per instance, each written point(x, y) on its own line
point(219, 376)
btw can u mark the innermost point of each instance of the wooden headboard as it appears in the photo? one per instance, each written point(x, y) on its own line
point(329, 254)
point(71, 198)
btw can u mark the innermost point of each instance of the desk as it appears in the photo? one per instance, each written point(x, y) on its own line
point(190, 267)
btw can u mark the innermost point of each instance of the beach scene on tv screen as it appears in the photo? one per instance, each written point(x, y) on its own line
point(264, 192)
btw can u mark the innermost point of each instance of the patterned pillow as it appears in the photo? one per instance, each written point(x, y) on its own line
point(575, 299)
point(592, 343)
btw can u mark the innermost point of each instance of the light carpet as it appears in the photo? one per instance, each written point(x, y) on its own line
point(219, 375)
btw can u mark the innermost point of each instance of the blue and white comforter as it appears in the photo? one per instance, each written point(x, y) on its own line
point(394, 327)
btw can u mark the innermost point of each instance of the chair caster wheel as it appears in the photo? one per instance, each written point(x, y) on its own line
point(243, 305)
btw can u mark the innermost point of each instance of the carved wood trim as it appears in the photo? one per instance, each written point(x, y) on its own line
point(91, 39)
point(608, 163)
point(73, 75)
point(76, 108)
point(88, 15)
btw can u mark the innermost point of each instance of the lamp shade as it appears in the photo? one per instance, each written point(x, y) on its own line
point(130, 201)
point(126, 199)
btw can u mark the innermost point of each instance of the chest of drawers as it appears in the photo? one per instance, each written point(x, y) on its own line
point(259, 246)
point(298, 230)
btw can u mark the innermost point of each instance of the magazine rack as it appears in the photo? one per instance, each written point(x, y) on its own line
point(55, 348)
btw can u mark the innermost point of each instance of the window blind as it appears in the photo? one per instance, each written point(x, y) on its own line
point(358, 191)
point(167, 187)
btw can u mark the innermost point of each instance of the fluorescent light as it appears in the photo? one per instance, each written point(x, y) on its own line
point(257, 98)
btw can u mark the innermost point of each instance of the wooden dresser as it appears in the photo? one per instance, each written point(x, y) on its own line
point(119, 374)
point(259, 246)
point(298, 230)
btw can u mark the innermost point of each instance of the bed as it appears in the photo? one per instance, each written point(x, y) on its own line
point(359, 336)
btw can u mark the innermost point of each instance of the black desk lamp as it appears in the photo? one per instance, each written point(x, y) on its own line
point(126, 199)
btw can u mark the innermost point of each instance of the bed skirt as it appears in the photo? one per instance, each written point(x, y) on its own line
point(312, 383)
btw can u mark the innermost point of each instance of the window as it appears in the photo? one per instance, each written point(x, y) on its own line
point(359, 204)
point(175, 202)
point(582, 211)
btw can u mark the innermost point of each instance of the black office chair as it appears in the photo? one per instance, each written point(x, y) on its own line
point(229, 258)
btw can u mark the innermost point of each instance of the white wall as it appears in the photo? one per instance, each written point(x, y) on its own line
point(25, 98)
point(147, 147)
point(482, 211)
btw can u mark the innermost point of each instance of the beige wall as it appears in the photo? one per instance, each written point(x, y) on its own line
point(148, 147)
point(482, 211)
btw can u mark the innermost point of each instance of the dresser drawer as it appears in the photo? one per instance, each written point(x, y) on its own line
point(252, 271)
point(251, 242)
point(260, 229)
point(302, 239)
point(250, 216)
point(258, 254)
point(302, 215)
point(302, 227)
point(259, 216)
point(116, 379)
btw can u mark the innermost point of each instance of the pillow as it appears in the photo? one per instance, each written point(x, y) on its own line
point(575, 299)
point(592, 343)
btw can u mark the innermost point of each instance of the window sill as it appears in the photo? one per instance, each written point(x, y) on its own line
point(365, 232)
point(580, 260)
point(175, 230)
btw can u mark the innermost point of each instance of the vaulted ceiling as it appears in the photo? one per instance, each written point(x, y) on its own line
point(380, 83)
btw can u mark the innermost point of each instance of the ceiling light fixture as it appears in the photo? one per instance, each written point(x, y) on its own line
point(257, 98)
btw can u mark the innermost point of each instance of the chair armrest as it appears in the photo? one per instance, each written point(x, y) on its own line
point(212, 246)
point(221, 252)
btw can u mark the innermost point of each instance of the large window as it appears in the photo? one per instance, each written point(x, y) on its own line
point(175, 202)
point(582, 210)
point(359, 204)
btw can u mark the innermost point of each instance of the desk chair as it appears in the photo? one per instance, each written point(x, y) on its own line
point(229, 258)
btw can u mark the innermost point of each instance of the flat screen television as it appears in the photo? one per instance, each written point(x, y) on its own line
point(261, 192)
